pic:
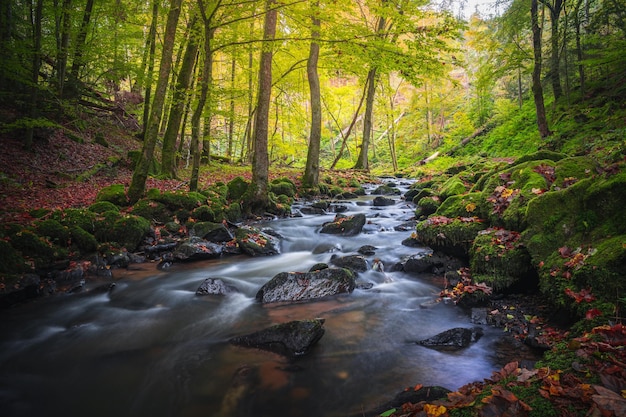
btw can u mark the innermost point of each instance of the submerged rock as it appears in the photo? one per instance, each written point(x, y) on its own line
point(299, 286)
point(215, 286)
point(355, 263)
point(453, 339)
point(294, 338)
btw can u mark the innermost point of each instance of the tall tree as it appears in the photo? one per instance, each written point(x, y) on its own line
point(555, 7)
point(140, 174)
point(180, 97)
point(312, 170)
point(35, 18)
point(542, 122)
point(257, 196)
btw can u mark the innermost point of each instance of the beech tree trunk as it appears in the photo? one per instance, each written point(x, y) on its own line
point(312, 170)
point(542, 122)
point(140, 175)
point(151, 42)
point(168, 160)
point(257, 197)
point(362, 160)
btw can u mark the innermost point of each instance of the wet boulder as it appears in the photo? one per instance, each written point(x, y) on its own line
point(428, 394)
point(195, 248)
point(355, 263)
point(345, 225)
point(215, 286)
point(453, 339)
point(381, 201)
point(295, 338)
point(367, 250)
point(254, 242)
point(302, 286)
point(213, 232)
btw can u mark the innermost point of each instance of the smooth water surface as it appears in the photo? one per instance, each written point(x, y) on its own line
point(152, 347)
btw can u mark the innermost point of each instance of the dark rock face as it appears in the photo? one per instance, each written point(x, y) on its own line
point(453, 339)
point(213, 232)
point(345, 225)
point(215, 286)
point(355, 263)
point(254, 242)
point(381, 201)
point(299, 286)
point(408, 396)
point(291, 339)
point(435, 263)
point(406, 226)
point(195, 248)
point(367, 250)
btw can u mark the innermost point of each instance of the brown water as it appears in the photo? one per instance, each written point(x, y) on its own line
point(153, 348)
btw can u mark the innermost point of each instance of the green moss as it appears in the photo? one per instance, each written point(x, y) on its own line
point(453, 186)
point(539, 156)
point(462, 205)
point(37, 248)
point(452, 236)
point(569, 170)
point(129, 231)
point(115, 194)
point(233, 212)
point(175, 200)
point(103, 227)
point(427, 206)
point(83, 218)
point(11, 261)
point(54, 231)
point(84, 241)
point(286, 188)
point(204, 214)
point(236, 188)
point(606, 198)
point(102, 206)
point(152, 211)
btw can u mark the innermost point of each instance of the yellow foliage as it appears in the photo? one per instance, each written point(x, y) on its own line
point(434, 410)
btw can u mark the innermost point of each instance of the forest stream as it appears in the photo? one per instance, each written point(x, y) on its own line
point(152, 347)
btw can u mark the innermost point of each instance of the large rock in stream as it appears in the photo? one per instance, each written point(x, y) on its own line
point(291, 339)
point(453, 339)
point(345, 225)
point(195, 248)
point(300, 286)
point(254, 242)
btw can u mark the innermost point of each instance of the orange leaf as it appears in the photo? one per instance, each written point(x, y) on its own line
point(434, 410)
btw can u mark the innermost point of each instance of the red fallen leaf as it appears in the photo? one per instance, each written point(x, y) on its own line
point(583, 295)
point(592, 313)
point(418, 387)
point(565, 252)
point(608, 400)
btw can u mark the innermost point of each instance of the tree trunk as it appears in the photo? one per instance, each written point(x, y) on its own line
point(63, 45)
point(312, 170)
point(78, 61)
point(140, 175)
point(362, 160)
point(542, 122)
point(257, 197)
point(555, 74)
point(36, 64)
point(148, 76)
point(231, 113)
point(579, 48)
point(352, 124)
point(168, 162)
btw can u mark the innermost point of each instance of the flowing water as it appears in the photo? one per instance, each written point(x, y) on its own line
point(151, 347)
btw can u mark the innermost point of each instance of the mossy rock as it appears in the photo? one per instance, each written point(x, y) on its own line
point(103, 225)
point(129, 231)
point(424, 192)
point(386, 189)
point(233, 212)
point(102, 206)
point(83, 240)
point(11, 261)
point(71, 217)
point(427, 206)
point(54, 231)
point(538, 156)
point(204, 214)
point(115, 194)
point(570, 170)
point(453, 186)
point(175, 200)
point(606, 198)
point(286, 188)
point(153, 211)
point(37, 248)
point(450, 236)
point(236, 188)
point(464, 205)
point(498, 259)
point(324, 189)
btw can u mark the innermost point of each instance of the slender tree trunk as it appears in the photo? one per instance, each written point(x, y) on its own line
point(542, 122)
point(555, 58)
point(63, 45)
point(352, 124)
point(140, 175)
point(36, 64)
point(168, 158)
point(148, 77)
point(231, 113)
point(392, 134)
point(579, 48)
point(78, 61)
point(247, 148)
point(257, 196)
point(362, 161)
point(519, 87)
point(312, 170)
